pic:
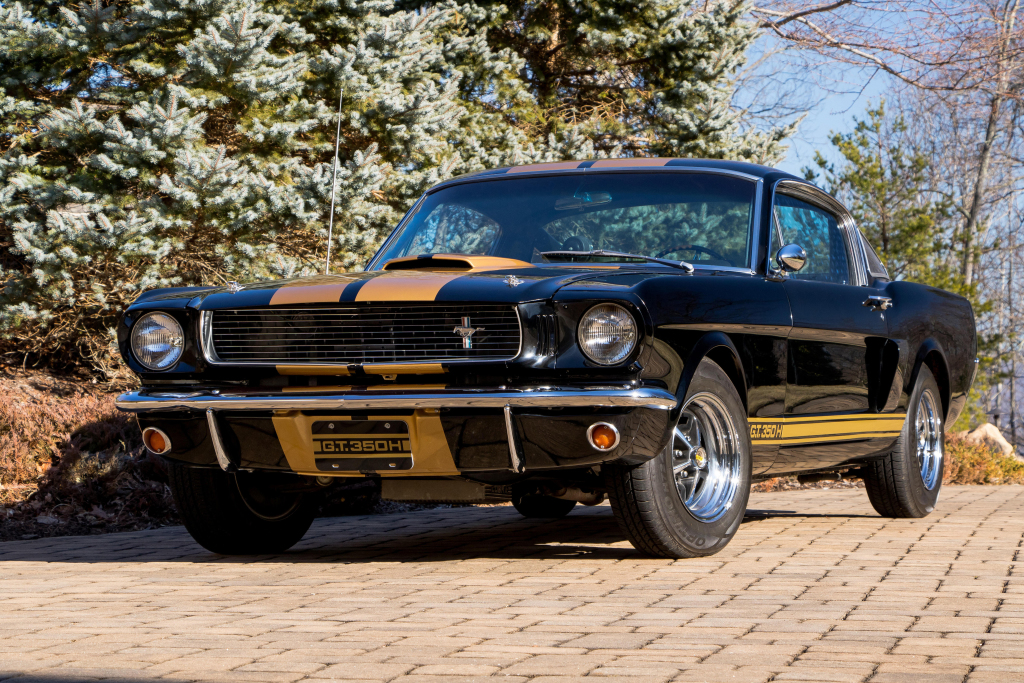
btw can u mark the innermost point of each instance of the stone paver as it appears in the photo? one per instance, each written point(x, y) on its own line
point(815, 587)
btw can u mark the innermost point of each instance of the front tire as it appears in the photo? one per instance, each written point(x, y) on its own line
point(239, 513)
point(906, 482)
point(689, 501)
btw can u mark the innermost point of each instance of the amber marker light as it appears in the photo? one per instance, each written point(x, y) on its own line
point(603, 436)
point(155, 440)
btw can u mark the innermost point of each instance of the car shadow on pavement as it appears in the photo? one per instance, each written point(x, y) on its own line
point(14, 677)
point(752, 515)
point(442, 534)
point(432, 535)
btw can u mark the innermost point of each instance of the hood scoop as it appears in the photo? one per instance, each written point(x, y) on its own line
point(467, 263)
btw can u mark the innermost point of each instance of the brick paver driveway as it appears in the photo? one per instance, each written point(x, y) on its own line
point(814, 587)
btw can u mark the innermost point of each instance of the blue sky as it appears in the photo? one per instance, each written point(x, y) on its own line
point(834, 112)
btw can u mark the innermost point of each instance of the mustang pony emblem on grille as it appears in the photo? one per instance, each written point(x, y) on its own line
point(466, 332)
point(512, 281)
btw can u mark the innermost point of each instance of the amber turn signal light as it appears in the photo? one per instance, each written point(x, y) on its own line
point(603, 436)
point(156, 440)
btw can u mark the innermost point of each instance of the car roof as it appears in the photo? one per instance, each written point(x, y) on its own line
point(634, 164)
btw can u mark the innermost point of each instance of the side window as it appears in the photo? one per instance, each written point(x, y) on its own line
point(455, 229)
point(817, 231)
point(875, 267)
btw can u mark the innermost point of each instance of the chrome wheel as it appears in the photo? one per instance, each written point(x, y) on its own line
point(706, 457)
point(929, 441)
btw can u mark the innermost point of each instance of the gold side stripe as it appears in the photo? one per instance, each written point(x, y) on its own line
point(822, 439)
point(788, 431)
point(801, 430)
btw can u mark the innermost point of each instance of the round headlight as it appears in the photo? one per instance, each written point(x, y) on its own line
point(607, 334)
point(157, 341)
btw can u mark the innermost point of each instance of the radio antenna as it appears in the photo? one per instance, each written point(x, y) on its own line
point(334, 184)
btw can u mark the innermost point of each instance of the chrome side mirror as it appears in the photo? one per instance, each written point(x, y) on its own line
point(791, 258)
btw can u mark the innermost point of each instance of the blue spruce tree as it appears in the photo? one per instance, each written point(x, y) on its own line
point(149, 143)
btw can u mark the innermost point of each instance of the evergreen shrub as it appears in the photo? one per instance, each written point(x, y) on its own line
point(155, 143)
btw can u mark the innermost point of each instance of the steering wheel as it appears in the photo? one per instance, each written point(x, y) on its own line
point(577, 243)
point(696, 249)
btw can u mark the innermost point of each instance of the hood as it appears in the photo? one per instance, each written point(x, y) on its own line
point(441, 278)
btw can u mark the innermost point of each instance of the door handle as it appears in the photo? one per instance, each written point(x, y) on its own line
point(881, 303)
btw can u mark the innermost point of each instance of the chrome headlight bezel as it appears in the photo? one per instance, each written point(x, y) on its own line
point(610, 314)
point(173, 337)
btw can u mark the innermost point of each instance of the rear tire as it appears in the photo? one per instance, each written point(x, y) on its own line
point(239, 513)
point(906, 482)
point(542, 507)
point(689, 501)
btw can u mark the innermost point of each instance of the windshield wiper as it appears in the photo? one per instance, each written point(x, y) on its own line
point(682, 265)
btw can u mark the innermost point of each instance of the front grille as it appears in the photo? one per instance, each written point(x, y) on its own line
point(362, 334)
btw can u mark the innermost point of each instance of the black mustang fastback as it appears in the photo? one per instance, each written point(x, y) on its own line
point(662, 332)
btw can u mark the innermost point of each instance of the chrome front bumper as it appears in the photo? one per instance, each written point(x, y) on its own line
point(146, 400)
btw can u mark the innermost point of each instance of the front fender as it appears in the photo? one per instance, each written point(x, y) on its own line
point(718, 347)
point(721, 350)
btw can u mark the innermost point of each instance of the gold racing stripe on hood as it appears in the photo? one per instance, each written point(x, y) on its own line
point(556, 166)
point(629, 163)
point(406, 285)
point(423, 285)
point(317, 289)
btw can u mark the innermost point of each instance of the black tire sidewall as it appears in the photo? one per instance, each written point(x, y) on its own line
point(696, 537)
point(214, 513)
point(921, 498)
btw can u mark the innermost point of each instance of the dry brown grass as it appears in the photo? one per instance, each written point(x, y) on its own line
point(36, 435)
point(70, 462)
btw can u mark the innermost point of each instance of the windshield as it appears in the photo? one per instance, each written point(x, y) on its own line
point(701, 218)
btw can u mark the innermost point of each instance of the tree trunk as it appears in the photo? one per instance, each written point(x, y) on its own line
point(970, 235)
point(1006, 67)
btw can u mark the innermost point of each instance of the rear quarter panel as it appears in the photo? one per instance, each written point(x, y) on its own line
point(924, 319)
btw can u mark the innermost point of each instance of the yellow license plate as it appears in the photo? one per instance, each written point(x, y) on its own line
point(361, 445)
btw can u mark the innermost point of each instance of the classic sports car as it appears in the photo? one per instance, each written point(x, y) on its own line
point(662, 332)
